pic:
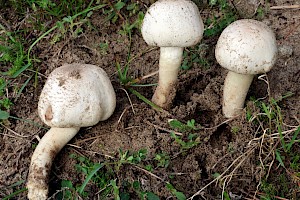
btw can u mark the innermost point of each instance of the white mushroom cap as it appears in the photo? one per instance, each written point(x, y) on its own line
point(172, 23)
point(247, 47)
point(76, 95)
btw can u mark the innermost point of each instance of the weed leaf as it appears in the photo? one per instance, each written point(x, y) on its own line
point(4, 115)
point(152, 196)
point(96, 168)
point(66, 183)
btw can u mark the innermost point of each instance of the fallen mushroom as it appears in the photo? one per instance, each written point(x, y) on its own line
point(246, 47)
point(74, 96)
point(171, 25)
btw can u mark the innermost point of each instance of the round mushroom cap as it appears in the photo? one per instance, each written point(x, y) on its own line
point(247, 47)
point(172, 23)
point(76, 95)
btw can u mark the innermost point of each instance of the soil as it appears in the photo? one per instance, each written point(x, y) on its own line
point(226, 147)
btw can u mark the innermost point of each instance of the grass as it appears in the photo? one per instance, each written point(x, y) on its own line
point(104, 176)
point(16, 191)
point(284, 147)
point(16, 51)
point(126, 80)
point(216, 23)
point(188, 139)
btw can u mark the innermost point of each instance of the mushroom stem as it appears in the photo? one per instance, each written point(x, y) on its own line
point(169, 63)
point(235, 90)
point(52, 142)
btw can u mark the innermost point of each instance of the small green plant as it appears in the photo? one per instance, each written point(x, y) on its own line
point(194, 55)
point(163, 160)
point(189, 126)
point(5, 103)
point(133, 158)
point(103, 47)
point(215, 24)
point(176, 193)
point(127, 28)
point(260, 12)
point(235, 129)
point(94, 172)
point(59, 9)
point(191, 140)
point(136, 185)
point(268, 189)
point(103, 175)
point(13, 54)
point(285, 150)
point(113, 13)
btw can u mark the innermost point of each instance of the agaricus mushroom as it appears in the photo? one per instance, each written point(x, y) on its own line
point(246, 47)
point(171, 25)
point(74, 96)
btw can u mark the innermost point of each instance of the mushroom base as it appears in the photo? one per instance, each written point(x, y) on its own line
point(52, 142)
point(169, 64)
point(164, 96)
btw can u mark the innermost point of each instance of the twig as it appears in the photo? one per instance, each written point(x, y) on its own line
point(139, 79)
point(150, 173)
point(220, 177)
point(285, 7)
point(115, 10)
point(131, 104)
point(218, 125)
point(163, 129)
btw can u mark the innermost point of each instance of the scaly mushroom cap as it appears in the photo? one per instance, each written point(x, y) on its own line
point(76, 95)
point(247, 47)
point(172, 23)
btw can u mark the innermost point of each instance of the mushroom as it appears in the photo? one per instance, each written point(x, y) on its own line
point(246, 47)
point(74, 96)
point(171, 25)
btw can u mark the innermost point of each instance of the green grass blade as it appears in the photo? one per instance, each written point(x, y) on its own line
point(18, 183)
point(289, 145)
point(23, 86)
point(37, 40)
point(4, 85)
point(17, 73)
point(121, 74)
point(29, 122)
point(266, 110)
point(14, 194)
point(281, 138)
point(56, 26)
point(278, 158)
point(116, 191)
point(140, 96)
point(96, 168)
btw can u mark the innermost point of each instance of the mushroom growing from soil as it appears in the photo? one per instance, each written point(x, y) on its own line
point(246, 47)
point(171, 25)
point(74, 96)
